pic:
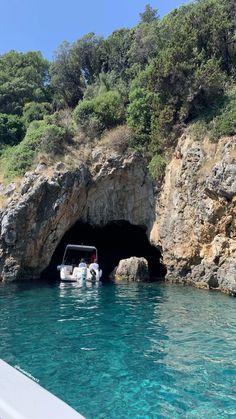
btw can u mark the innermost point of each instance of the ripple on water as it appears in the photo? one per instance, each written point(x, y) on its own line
point(133, 351)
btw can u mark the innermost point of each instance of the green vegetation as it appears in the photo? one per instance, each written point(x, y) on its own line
point(23, 79)
point(146, 83)
point(157, 167)
point(103, 112)
point(218, 121)
point(11, 129)
point(41, 137)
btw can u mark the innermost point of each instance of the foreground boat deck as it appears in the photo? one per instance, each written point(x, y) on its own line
point(22, 398)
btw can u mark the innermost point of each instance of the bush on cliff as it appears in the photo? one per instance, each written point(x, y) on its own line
point(103, 112)
point(40, 138)
point(219, 120)
point(224, 124)
point(11, 129)
point(34, 111)
point(118, 139)
point(157, 167)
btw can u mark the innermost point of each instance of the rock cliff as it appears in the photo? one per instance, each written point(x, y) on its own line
point(195, 214)
point(106, 187)
point(191, 218)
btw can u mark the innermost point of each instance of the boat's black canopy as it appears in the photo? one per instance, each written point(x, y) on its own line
point(81, 247)
point(74, 253)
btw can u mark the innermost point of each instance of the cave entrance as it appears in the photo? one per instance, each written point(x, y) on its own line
point(114, 241)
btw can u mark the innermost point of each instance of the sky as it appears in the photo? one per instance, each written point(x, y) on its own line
point(42, 25)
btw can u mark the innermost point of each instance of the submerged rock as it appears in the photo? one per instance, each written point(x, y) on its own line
point(132, 269)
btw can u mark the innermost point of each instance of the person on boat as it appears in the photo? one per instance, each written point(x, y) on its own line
point(93, 258)
point(93, 267)
point(82, 264)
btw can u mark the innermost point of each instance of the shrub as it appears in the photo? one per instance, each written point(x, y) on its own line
point(119, 138)
point(219, 120)
point(34, 111)
point(109, 109)
point(199, 130)
point(157, 167)
point(139, 114)
point(225, 123)
point(40, 137)
point(103, 112)
point(11, 129)
point(87, 120)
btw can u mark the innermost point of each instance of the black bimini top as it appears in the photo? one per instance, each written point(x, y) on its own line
point(75, 252)
point(81, 247)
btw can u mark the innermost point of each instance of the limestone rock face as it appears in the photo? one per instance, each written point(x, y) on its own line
point(196, 215)
point(107, 187)
point(192, 218)
point(132, 269)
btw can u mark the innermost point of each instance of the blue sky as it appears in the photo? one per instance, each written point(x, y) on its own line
point(44, 24)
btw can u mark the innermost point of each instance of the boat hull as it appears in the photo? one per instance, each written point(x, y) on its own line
point(70, 274)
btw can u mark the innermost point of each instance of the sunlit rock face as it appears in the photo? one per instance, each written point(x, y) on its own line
point(195, 215)
point(191, 218)
point(107, 187)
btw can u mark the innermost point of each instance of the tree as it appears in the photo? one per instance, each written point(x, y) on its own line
point(116, 53)
point(188, 73)
point(23, 78)
point(76, 66)
point(149, 14)
point(140, 109)
point(87, 53)
point(67, 79)
point(144, 46)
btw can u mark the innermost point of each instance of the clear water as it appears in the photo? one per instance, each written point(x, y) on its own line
point(125, 351)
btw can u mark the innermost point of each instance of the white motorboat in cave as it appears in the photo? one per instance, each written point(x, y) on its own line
point(78, 264)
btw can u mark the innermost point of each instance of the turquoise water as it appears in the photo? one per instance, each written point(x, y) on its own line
point(125, 351)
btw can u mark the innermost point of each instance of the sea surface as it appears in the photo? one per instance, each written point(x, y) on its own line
point(125, 351)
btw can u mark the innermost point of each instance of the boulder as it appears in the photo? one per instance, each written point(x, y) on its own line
point(132, 269)
point(226, 276)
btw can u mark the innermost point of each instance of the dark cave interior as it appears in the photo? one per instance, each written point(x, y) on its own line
point(114, 241)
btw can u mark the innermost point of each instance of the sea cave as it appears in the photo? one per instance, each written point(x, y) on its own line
point(115, 241)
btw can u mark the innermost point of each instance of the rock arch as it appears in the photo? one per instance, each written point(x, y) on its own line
point(46, 206)
point(115, 241)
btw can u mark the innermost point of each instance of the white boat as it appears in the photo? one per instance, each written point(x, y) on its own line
point(70, 271)
point(23, 398)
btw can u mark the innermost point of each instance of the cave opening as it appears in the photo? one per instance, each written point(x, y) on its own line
point(114, 241)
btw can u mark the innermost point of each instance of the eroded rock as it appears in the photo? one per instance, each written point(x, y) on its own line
point(48, 205)
point(196, 213)
point(192, 218)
